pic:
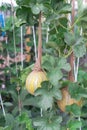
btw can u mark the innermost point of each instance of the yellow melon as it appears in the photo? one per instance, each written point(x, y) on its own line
point(34, 80)
point(67, 100)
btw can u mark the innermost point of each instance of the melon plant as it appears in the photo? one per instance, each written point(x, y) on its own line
point(52, 90)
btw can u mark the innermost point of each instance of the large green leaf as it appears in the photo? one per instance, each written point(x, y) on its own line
point(77, 91)
point(56, 93)
point(69, 38)
point(79, 50)
point(54, 66)
point(55, 75)
point(47, 65)
point(81, 18)
point(82, 77)
point(46, 95)
point(66, 8)
point(32, 101)
point(74, 109)
point(76, 41)
point(24, 2)
point(25, 13)
point(45, 98)
point(74, 124)
point(51, 59)
point(45, 123)
point(62, 64)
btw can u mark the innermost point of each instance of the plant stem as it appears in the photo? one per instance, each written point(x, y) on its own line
point(37, 65)
point(71, 75)
point(19, 103)
point(39, 40)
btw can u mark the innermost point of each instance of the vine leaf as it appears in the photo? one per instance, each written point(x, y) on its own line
point(74, 108)
point(69, 38)
point(74, 124)
point(44, 123)
point(77, 91)
point(46, 96)
point(55, 75)
point(62, 64)
point(79, 50)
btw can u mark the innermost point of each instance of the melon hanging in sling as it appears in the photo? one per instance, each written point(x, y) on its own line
point(38, 75)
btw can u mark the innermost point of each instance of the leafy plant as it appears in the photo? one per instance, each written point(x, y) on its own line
point(40, 111)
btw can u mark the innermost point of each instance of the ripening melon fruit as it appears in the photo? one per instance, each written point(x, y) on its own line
point(34, 80)
point(67, 100)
